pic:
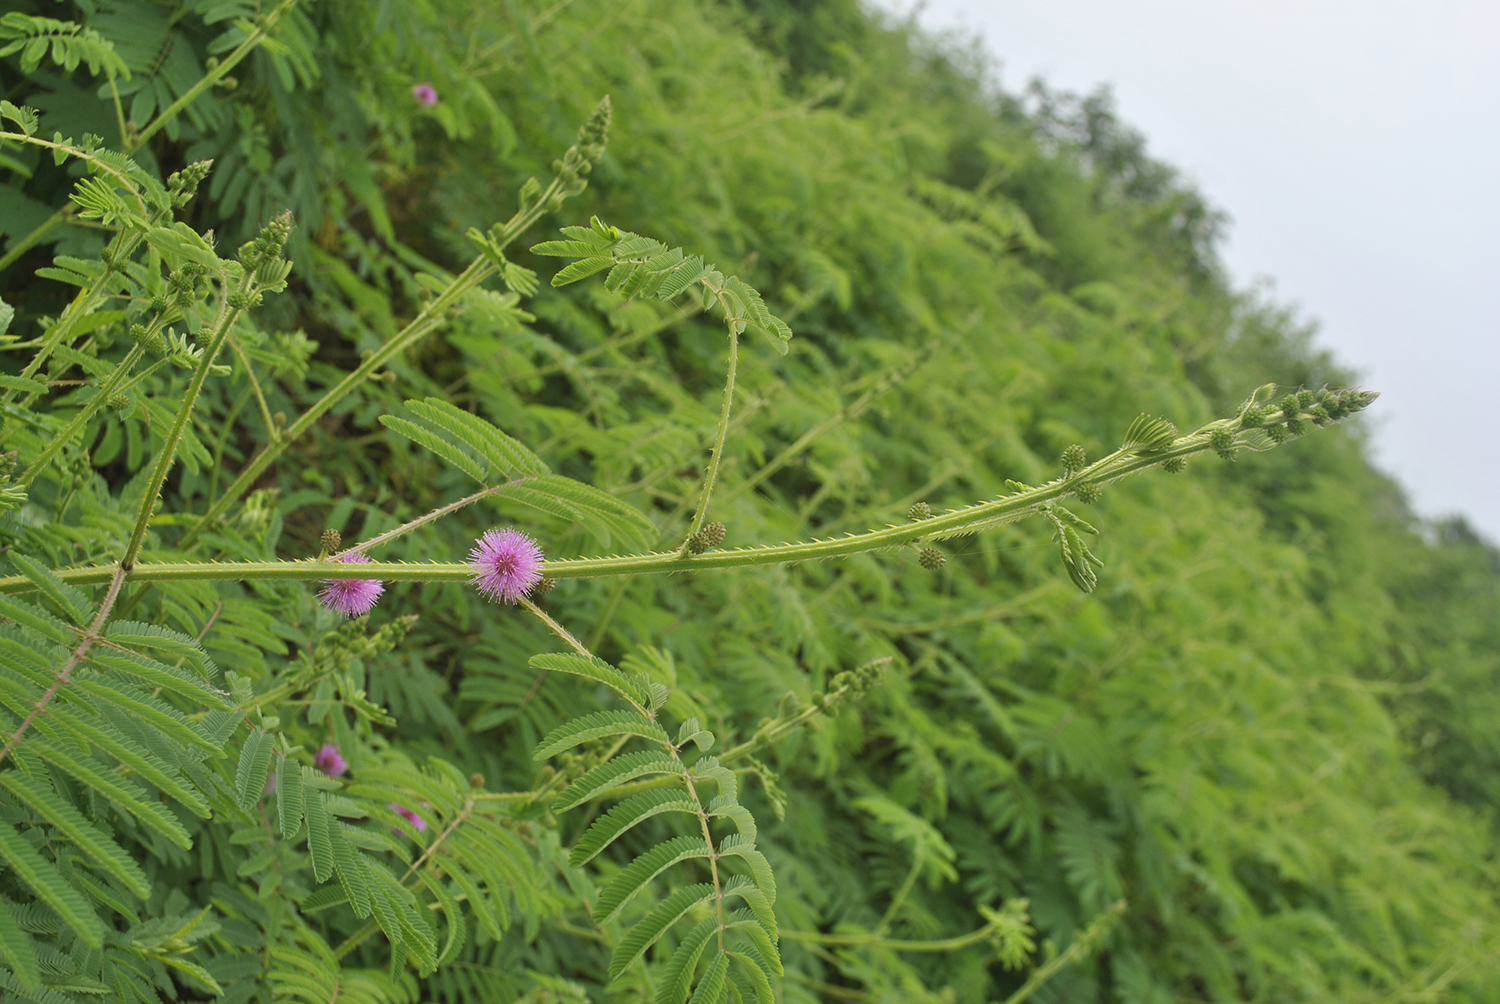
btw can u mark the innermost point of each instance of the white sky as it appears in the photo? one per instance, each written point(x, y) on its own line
point(1356, 144)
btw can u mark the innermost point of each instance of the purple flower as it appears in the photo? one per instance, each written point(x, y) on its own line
point(425, 94)
point(417, 822)
point(506, 563)
point(329, 761)
point(351, 597)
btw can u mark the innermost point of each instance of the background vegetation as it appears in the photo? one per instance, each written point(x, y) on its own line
point(1258, 763)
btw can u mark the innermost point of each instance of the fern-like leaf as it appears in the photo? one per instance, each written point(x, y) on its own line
point(633, 689)
point(629, 813)
point(613, 774)
point(597, 726)
point(631, 879)
point(649, 931)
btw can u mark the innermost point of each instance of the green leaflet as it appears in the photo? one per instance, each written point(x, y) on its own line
point(634, 810)
point(677, 979)
point(612, 522)
point(650, 929)
point(616, 772)
point(164, 717)
point(163, 640)
point(84, 835)
point(437, 444)
point(319, 831)
point(17, 949)
point(71, 599)
point(149, 812)
point(596, 726)
point(505, 456)
point(289, 796)
point(251, 772)
point(157, 674)
point(640, 266)
point(634, 877)
point(38, 620)
point(43, 879)
point(635, 689)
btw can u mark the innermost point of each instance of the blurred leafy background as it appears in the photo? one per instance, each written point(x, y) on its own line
point(1269, 732)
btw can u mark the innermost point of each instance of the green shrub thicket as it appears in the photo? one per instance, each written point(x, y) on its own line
point(1256, 763)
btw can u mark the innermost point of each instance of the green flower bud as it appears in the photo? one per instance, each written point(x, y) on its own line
point(330, 541)
point(1174, 465)
point(119, 403)
point(1306, 398)
point(711, 536)
point(1074, 459)
point(1253, 418)
point(1222, 440)
point(1294, 426)
point(545, 586)
point(919, 512)
point(1090, 492)
point(932, 559)
point(148, 338)
point(1278, 434)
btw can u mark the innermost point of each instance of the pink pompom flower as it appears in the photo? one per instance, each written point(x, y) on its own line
point(507, 565)
point(417, 822)
point(329, 761)
point(351, 597)
point(425, 93)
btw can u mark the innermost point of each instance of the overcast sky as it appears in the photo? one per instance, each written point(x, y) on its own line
point(1356, 144)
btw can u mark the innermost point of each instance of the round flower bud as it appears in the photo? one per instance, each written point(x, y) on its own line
point(239, 300)
point(1074, 459)
point(160, 302)
point(1222, 440)
point(119, 403)
point(1278, 434)
point(919, 512)
point(544, 587)
point(1090, 492)
point(1294, 426)
point(1174, 465)
point(1306, 398)
point(932, 559)
point(1253, 418)
point(146, 338)
point(330, 541)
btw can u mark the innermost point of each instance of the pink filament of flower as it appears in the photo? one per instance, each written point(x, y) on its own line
point(329, 761)
point(507, 565)
point(425, 94)
point(351, 597)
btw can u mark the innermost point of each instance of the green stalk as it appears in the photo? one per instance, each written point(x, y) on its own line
point(90, 408)
point(26, 243)
point(168, 453)
point(720, 435)
point(262, 29)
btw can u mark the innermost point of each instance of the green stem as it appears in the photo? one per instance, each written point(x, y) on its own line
point(26, 243)
point(876, 940)
point(262, 29)
point(1082, 947)
point(431, 316)
point(169, 448)
point(106, 391)
point(719, 437)
point(969, 519)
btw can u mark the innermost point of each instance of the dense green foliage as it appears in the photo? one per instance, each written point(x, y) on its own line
point(1255, 762)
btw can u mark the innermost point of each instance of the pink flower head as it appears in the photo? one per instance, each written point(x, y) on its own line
point(417, 822)
point(425, 94)
point(329, 761)
point(506, 563)
point(351, 597)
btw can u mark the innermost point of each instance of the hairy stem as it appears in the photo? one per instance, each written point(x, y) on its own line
point(168, 453)
point(75, 426)
point(408, 527)
point(229, 62)
point(75, 657)
point(723, 431)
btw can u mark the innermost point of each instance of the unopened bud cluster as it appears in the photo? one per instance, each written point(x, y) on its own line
point(1074, 459)
point(849, 684)
point(711, 536)
point(919, 512)
point(932, 559)
point(1090, 493)
point(330, 541)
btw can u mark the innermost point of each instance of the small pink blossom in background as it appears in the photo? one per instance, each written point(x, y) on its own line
point(271, 784)
point(425, 94)
point(329, 761)
point(351, 597)
point(507, 565)
point(417, 822)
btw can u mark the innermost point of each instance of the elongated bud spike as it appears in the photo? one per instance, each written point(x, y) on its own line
point(331, 541)
point(932, 559)
point(919, 512)
point(1074, 459)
